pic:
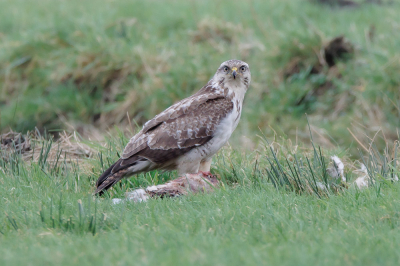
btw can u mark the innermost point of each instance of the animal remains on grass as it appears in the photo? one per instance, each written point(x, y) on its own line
point(190, 183)
point(186, 135)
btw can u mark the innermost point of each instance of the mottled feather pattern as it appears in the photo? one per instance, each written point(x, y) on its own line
point(197, 124)
point(186, 105)
point(179, 109)
point(190, 132)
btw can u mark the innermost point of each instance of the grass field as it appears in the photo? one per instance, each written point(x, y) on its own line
point(49, 216)
point(85, 65)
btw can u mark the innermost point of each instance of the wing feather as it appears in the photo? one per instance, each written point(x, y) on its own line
point(185, 106)
point(176, 136)
point(168, 119)
point(190, 129)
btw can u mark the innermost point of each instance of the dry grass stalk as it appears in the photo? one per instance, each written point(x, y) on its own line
point(67, 147)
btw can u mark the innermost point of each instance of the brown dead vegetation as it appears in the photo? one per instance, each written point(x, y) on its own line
point(32, 146)
point(218, 33)
point(117, 83)
point(212, 30)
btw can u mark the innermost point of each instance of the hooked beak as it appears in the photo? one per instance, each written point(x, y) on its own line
point(234, 72)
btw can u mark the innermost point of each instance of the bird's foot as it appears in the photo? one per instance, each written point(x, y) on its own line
point(205, 173)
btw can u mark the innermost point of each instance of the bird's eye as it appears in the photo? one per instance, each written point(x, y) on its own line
point(242, 68)
point(226, 69)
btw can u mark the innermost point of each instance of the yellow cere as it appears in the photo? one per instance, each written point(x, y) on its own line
point(234, 68)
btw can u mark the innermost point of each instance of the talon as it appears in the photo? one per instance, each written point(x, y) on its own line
point(205, 173)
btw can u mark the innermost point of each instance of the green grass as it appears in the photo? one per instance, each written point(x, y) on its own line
point(78, 63)
point(243, 226)
point(48, 214)
point(86, 64)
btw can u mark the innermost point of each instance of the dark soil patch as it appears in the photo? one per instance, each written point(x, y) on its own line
point(13, 141)
point(319, 62)
point(338, 48)
point(339, 3)
point(350, 3)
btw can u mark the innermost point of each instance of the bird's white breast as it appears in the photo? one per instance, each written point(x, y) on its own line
point(222, 134)
point(226, 127)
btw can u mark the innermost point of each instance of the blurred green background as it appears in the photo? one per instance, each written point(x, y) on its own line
point(101, 67)
point(92, 65)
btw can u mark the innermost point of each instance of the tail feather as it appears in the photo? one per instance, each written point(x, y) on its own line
point(120, 169)
point(110, 176)
point(109, 181)
point(105, 175)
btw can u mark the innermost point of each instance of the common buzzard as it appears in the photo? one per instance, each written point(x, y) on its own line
point(186, 135)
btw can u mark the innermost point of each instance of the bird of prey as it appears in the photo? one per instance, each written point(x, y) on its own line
point(185, 136)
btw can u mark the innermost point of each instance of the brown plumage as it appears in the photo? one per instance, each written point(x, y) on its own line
point(186, 135)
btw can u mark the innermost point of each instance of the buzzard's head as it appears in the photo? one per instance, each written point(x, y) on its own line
point(234, 74)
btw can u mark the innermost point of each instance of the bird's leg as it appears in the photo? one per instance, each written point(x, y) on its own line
point(208, 173)
point(188, 168)
point(205, 166)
